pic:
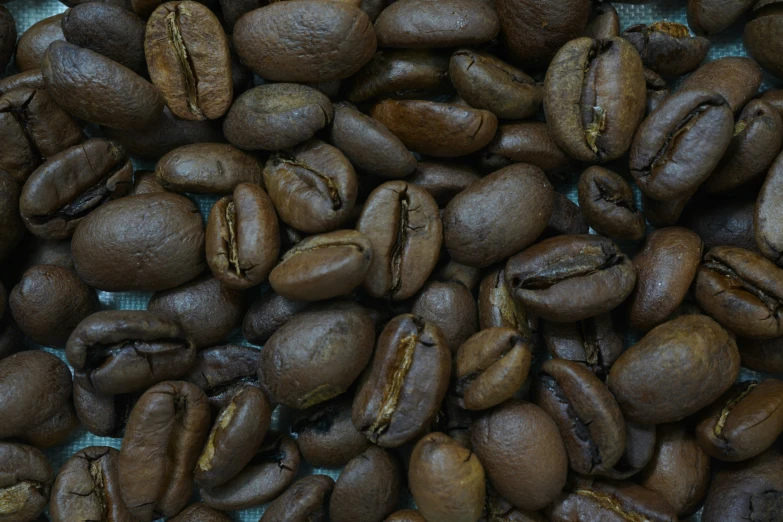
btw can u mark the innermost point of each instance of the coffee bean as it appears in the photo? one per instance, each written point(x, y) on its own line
point(54, 431)
point(26, 483)
point(762, 355)
point(207, 168)
point(607, 202)
point(200, 512)
point(145, 182)
point(222, 371)
point(604, 21)
point(710, 17)
point(607, 500)
point(32, 79)
point(498, 308)
point(405, 383)
point(13, 227)
point(453, 272)
point(305, 500)
point(34, 41)
point(368, 488)
point(767, 218)
point(527, 142)
point(103, 415)
point(566, 218)
point(242, 237)
point(405, 515)
point(759, 36)
point(166, 431)
point(664, 213)
point(593, 342)
point(451, 307)
point(268, 314)
point(657, 90)
point(773, 97)
point(735, 78)
point(639, 448)
point(667, 47)
point(403, 225)
point(443, 180)
point(676, 369)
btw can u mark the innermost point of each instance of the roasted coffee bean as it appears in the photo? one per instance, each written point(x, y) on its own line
point(34, 41)
point(236, 436)
point(607, 202)
point(586, 414)
point(676, 369)
point(70, 185)
point(443, 130)
point(760, 35)
point(12, 230)
point(38, 251)
point(207, 311)
point(87, 488)
point(478, 230)
point(594, 98)
point(166, 431)
point(522, 453)
point(119, 98)
point(667, 47)
point(744, 422)
point(268, 314)
point(271, 470)
point(189, 60)
point(404, 385)
point(604, 21)
point(710, 17)
point(369, 144)
point(443, 180)
point(234, 10)
point(747, 491)
point(533, 31)
point(25, 482)
point(33, 128)
point(592, 342)
point(666, 168)
point(453, 420)
point(403, 224)
point(742, 290)
point(762, 355)
point(773, 97)
point(525, 142)
point(54, 431)
point(207, 168)
point(307, 499)
point(453, 272)
point(313, 186)
point(758, 137)
point(277, 116)
point(451, 307)
point(49, 302)
point(664, 213)
point(368, 489)
point(768, 217)
point(426, 23)
point(34, 386)
point(401, 73)
point(405, 515)
point(613, 501)
point(735, 78)
point(446, 480)
point(200, 512)
point(498, 308)
point(486, 82)
point(490, 367)
point(639, 449)
point(32, 79)
point(569, 278)
point(295, 370)
point(242, 237)
point(326, 436)
point(323, 266)
point(305, 41)
point(657, 90)
point(222, 371)
point(566, 218)
point(724, 222)
point(103, 415)
point(665, 269)
point(109, 30)
point(7, 37)
point(145, 182)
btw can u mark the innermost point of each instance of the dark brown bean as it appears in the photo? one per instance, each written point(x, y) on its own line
point(307, 499)
point(760, 33)
point(443, 180)
point(200, 512)
point(604, 21)
point(762, 355)
point(768, 220)
point(12, 230)
point(525, 142)
point(735, 78)
point(207, 168)
point(34, 41)
point(368, 488)
point(25, 482)
point(607, 202)
point(268, 314)
point(451, 307)
point(657, 90)
point(710, 17)
point(593, 342)
point(667, 47)
point(498, 308)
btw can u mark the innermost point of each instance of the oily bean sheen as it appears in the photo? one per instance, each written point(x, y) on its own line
point(109, 30)
point(33, 128)
point(242, 237)
point(200, 512)
point(594, 98)
point(7, 37)
point(189, 60)
point(522, 453)
point(368, 488)
point(744, 422)
point(369, 145)
point(667, 47)
point(97, 89)
point(222, 371)
point(33, 43)
point(316, 355)
point(450, 306)
point(34, 386)
point(277, 116)
point(607, 202)
point(403, 225)
point(486, 82)
point(588, 417)
point(768, 216)
point(446, 480)
point(123, 351)
point(271, 470)
point(87, 488)
point(742, 290)
point(760, 36)
point(145, 242)
point(525, 142)
point(305, 41)
point(758, 137)
point(13, 229)
point(166, 431)
point(313, 186)
point(444, 130)
point(268, 314)
point(676, 369)
point(207, 168)
point(677, 147)
point(710, 17)
point(490, 367)
point(25, 482)
point(306, 500)
point(610, 501)
point(665, 268)
point(433, 23)
point(443, 180)
point(735, 78)
point(592, 342)
point(569, 278)
point(323, 266)
point(59, 194)
point(404, 385)
point(49, 302)
point(479, 229)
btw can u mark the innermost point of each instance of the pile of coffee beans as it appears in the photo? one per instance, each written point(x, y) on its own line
point(422, 308)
